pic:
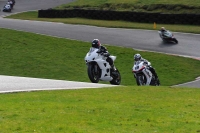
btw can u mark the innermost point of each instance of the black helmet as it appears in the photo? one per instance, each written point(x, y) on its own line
point(137, 57)
point(96, 43)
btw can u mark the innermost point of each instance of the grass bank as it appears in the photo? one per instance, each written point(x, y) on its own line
point(33, 15)
point(40, 56)
point(161, 6)
point(119, 109)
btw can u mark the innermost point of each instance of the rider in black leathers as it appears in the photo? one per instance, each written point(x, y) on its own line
point(96, 44)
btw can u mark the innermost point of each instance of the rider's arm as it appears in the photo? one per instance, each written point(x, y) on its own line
point(145, 61)
point(104, 51)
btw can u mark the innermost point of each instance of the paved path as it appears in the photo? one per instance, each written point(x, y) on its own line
point(18, 84)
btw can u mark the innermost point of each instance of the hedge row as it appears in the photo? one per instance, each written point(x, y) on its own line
point(191, 19)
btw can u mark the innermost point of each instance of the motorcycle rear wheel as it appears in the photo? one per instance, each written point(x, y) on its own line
point(93, 76)
point(116, 79)
point(176, 41)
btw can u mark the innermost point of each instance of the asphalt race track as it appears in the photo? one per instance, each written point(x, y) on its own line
point(189, 44)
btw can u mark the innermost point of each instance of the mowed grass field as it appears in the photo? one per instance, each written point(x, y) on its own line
point(104, 110)
point(162, 6)
point(143, 2)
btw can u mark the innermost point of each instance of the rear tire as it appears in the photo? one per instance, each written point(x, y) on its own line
point(176, 41)
point(93, 76)
point(116, 79)
point(158, 82)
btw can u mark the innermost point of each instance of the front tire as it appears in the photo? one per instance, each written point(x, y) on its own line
point(93, 73)
point(140, 80)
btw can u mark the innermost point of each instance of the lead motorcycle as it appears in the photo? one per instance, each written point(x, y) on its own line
point(7, 8)
point(99, 69)
point(168, 37)
point(143, 75)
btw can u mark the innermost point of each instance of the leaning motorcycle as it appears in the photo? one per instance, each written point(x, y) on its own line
point(99, 69)
point(7, 8)
point(168, 37)
point(143, 75)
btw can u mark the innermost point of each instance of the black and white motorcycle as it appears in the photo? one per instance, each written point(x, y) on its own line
point(167, 36)
point(143, 75)
point(99, 69)
point(7, 7)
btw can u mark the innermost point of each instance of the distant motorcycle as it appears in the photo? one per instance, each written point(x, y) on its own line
point(143, 75)
point(7, 8)
point(99, 69)
point(168, 37)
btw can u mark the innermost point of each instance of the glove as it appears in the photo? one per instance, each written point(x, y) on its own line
point(145, 62)
point(99, 51)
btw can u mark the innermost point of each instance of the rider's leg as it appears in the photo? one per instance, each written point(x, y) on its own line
point(154, 72)
point(110, 61)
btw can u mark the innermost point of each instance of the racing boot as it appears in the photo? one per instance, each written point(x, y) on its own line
point(113, 67)
point(114, 70)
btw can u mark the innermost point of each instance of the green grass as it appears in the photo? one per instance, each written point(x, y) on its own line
point(32, 55)
point(105, 110)
point(144, 2)
point(33, 15)
point(167, 6)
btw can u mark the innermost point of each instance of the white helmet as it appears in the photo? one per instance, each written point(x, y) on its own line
point(137, 57)
point(163, 29)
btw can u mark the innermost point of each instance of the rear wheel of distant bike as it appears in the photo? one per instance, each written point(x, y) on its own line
point(116, 78)
point(93, 73)
point(176, 41)
point(157, 82)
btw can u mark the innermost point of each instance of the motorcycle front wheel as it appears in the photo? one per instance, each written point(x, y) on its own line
point(140, 80)
point(116, 78)
point(93, 73)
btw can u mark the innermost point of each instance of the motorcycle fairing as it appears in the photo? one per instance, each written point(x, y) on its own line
point(105, 69)
point(139, 67)
point(93, 56)
point(148, 75)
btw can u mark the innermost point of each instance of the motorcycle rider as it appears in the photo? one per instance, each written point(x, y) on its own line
point(11, 3)
point(138, 57)
point(163, 30)
point(96, 44)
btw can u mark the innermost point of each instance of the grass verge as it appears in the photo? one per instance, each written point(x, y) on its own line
point(40, 56)
point(161, 6)
point(33, 15)
point(105, 110)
